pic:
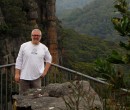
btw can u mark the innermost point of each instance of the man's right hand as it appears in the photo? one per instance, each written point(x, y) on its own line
point(17, 78)
point(17, 75)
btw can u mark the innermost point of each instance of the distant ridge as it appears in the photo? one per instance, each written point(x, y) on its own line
point(93, 19)
point(62, 5)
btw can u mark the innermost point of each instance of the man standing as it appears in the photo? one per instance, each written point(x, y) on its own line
point(29, 67)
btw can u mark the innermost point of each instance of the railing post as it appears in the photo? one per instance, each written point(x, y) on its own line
point(1, 102)
point(6, 84)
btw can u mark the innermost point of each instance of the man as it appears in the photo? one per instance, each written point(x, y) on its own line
point(29, 67)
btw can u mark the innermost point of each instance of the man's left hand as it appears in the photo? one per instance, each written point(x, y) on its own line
point(43, 75)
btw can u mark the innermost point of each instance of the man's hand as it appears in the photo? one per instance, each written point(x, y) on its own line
point(42, 76)
point(17, 75)
point(46, 70)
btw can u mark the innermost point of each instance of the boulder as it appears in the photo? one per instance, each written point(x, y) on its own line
point(53, 97)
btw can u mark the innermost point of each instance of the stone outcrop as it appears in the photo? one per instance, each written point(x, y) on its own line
point(39, 14)
point(51, 97)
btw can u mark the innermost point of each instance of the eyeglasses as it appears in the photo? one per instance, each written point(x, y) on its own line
point(36, 35)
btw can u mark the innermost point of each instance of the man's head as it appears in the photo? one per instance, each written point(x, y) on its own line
point(36, 36)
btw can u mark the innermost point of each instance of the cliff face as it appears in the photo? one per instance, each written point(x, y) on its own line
point(18, 18)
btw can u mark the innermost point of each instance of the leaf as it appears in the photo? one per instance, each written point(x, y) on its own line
point(115, 58)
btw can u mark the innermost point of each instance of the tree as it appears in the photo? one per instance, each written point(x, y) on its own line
point(122, 26)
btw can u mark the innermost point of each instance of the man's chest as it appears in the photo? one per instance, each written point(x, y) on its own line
point(36, 52)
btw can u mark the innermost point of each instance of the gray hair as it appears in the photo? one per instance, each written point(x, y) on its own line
point(36, 30)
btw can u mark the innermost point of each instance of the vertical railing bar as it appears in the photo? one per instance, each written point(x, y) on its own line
point(6, 90)
point(11, 83)
point(61, 76)
point(67, 78)
point(1, 90)
point(48, 79)
point(70, 77)
point(55, 76)
point(11, 79)
point(47, 76)
point(11, 86)
point(16, 87)
point(44, 81)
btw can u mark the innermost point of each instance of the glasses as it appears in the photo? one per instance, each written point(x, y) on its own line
point(36, 35)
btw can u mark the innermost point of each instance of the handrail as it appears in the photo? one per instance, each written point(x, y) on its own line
point(67, 69)
point(89, 77)
point(73, 71)
point(7, 65)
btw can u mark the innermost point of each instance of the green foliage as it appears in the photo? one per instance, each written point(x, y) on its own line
point(105, 68)
point(121, 6)
point(125, 46)
point(122, 25)
point(79, 51)
point(94, 19)
point(3, 28)
point(15, 18)
point(110, 73)
point(87, 68)
point(115, 57)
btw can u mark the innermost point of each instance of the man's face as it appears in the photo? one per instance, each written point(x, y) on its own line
point(36, 37)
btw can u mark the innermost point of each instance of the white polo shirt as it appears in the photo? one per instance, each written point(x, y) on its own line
point(31, 60)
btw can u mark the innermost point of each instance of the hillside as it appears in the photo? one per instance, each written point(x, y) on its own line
point(93, 19)
point(65, 5)
point(79, 51)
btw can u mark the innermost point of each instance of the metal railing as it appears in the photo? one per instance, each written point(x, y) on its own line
point(57, 74)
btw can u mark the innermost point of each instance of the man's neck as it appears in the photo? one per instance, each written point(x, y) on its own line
point(35, 43)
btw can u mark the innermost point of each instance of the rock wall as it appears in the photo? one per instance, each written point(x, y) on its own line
point(39, 14)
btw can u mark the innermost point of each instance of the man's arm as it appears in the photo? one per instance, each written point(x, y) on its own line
point(48, 60)
point(46, 69)
point(18, 65)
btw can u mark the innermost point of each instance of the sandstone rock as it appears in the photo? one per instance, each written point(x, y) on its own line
point(51, 97)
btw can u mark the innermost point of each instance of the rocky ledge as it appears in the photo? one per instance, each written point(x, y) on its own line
point(57, 96)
